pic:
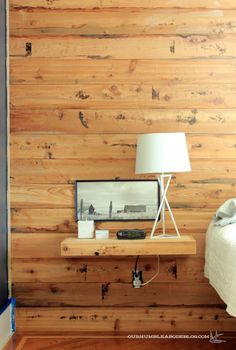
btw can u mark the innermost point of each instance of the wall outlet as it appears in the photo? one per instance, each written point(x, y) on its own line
point(137, 279)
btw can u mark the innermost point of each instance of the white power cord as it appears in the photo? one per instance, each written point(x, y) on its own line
point(137, 275)
point(156, 274)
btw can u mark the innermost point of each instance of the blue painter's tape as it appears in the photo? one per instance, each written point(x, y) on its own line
point(13, 325)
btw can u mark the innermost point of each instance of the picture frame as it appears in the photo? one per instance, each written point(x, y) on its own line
point(118, 200)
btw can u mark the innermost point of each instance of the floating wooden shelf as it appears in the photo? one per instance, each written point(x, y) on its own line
point(108, 247)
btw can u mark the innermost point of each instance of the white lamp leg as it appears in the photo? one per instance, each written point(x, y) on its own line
point(161, 209)
point(162, 190)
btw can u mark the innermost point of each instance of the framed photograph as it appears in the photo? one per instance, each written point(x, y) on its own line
point(117, 200)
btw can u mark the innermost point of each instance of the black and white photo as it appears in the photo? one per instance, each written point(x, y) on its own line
point(117, 200)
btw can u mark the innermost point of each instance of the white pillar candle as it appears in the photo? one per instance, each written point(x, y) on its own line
point(86, 229)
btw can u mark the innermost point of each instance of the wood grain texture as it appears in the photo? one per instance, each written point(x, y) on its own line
point(37, 245)
point(86, 78)
point(64, 4)
point(47, 245)
point(172, 269)
point(114, 294)
point(156, 47)
point(70, 71)
point(120, 21)
point(118, 319)
point(73, 247)
point(43, 196)
point(129, 96)
point(87, 342)
point(42, 171)
point(43, 340)
point(207, 196)
point(63, 220)
point(118, 146)
point(121, 121)
point(90, 270)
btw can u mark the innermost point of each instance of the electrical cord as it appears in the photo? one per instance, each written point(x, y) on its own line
point(153, 277)
point(156, 274)
point(136, 263)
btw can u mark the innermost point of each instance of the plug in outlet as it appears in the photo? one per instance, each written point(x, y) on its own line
point(137, 279)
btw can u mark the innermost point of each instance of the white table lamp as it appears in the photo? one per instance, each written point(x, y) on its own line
point(162, 153)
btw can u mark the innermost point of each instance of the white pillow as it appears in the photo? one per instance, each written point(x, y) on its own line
point(226, 221)
point(227, 210)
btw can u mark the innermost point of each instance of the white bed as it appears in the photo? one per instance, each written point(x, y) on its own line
point(220, 263)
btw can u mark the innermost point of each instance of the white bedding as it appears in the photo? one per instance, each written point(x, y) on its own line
point(220, 263)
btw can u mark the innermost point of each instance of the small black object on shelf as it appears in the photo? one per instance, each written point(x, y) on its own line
point(131, 234)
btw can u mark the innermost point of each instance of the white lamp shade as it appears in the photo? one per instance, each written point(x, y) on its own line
point(162, 153)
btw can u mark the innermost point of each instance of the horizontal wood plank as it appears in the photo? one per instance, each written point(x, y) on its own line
point(43, 220)
point(63, 220)
point(56, 171)
point(71, 96)
point(147, 47)
point(73, 71)
point(80, 121)
point(51, 171)
point(124, 96)
point(47, 245)
point(92, 270)
point(190, 269)
point(113, 294)
point(62, 196)
point(74, 4)
point(118, 319)
point(117, 146)
point(121, 21)
point(32, 245)
point(72, 146)
point(172, 269)
point(43, 196)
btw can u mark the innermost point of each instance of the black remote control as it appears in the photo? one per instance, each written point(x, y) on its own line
point(131, 234)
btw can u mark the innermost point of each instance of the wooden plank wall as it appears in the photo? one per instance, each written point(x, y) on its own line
point(87, 77)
